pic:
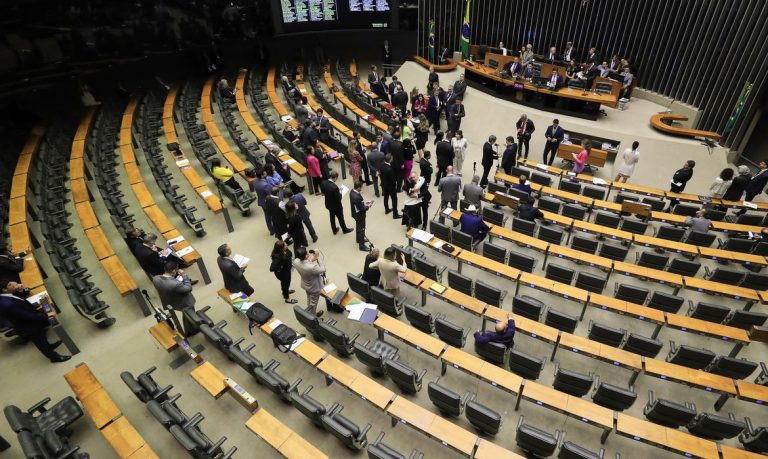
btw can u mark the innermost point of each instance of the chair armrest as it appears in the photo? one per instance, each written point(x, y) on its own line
point(364, 432)
point(466, 333)
point(164, 391)
point(421, 375)
point(467, 397)
point(520, 421)
point(216, 445)
point(672, 347)
point(650, 396)
point(229, 453)
point(294, 385)
point(196, 419)
point(379, 438)
point(332, 322)
point(70, 453)
point(39, 406)
point(763, 368)
point(238, 341)
point(174, 399)
point(354, 338)
point(690, 307)
point(149, 370)
point(720, 243)
point(439, 315)
point(707, 272)
point(601, 453)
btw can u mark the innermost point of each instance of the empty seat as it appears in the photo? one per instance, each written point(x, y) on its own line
point(541, 179)
point(634, 226)
point(561, 320)
point(310, 321)
point(746, 319)
point(750, 219)
point(669, 233)
point(494, 252)
point(684, 267)
point(519, 194)
point(737, 244)
point(708, 311)
point(450, 333)
point(657, 205)
point(754, 439)
point(380, 450)
point(591, 282)
point(493, 216)
point(373, 355)
point(686, 210)
point(460, 282)
point(528, 307)
point(700, 239)
point(497, 188)
point(665, 302)
point(306, 404)
point(340, 341)
point(668, 413)
point(405, 377)
point(526, 227)
point(492, 352)
point(607, 219)
point(574, 211)
point(488, 294)
point(688, 356)
point(715, 215)
point(535, 441)
point(551, 234)
point(243, 357)
point(145, 388)
point(550, 205)
point(761, 249)
point(594, 192)
point(715, 427)
point(571, 187)
point(613, 252)
point(420, 319)
point(571, 382)
point(521, 262)
point(559, 273)
point(39, 418)
point(648, 347)
point(731, 367)
point(483, 418)
point(584, 244)
point(267, 376)
point(605, 334)
point(440, 230)
point(462, 240)
point(386, 302)
point(527, 366)
point(613, 397)
point(630, 293)
point(447, 401)
point(755, 281)
point(427, 268)
point(344, 429)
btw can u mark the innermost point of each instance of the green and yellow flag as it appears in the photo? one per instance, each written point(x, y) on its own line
point(431, 40)
point(465, 33)
point(737, 110)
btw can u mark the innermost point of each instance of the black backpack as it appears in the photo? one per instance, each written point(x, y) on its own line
point(283, 337)
point(258, 315)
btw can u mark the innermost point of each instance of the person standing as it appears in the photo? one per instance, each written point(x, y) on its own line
point(525, 128)
point(630, 157)
point(301, 203)
point(295, 225)
point(390, 270)
point(721, 184)
point(233, 274)
point(375, 159)
point(281, 265)
point(509, 156)
point(425, 167)
point(459, 145)
point(323, 126)
point(275, 209)
point(449, 188)
point(433, 79)
point(460, 86)
point(756, 184)
point(679, 180)
point(434, 107)
point(175, 291)
point(355, 161)
point(333, 203)
point(398, 159)
point(314, 171)
point(554, 135)
point(421, 133)
point(27, 320)
point(359, 208)
point(487, 161)
point(474, 193)
point(389, 186)
point(444, 153)
point(309, 265)
point(364, 163)
point(387, 58)
point(409, 152)
point(739, 183)
point(580, 159)
point(263, 189)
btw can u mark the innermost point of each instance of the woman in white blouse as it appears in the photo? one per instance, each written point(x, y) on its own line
point(459, 144)
point(630, 157)
point(721, 184)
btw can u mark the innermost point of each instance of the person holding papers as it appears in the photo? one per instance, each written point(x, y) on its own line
point(153, 258)
point(473, 225)
point(333, 203)
point(554, 134)
point(175, 291)
point(756, 184)
point(679, 180)
point(233, 270)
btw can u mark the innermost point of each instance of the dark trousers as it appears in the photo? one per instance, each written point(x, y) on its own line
point(398, 177)
point(523, 142)
point(360, 228)
point(337, 215)
point(366, 172)
point(748, 196)
point(310, 228)
point(390, 194)
point(441, 171)
point(375, 180)
point(316, 183)
point(550, 149)
point(424, 214)
point(41, 343)
point(434, 121)
point(190, 327)
point(284, 277)
point(484, 179)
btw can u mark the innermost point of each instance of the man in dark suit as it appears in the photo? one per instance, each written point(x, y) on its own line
point(175, 291)
point(375, 84)
point(434, 107)
point(591, 56)
point(488, 156)
point(554, 80)
point(425, 167)
point(301, 205)
point(525, 128)
point(263, 189)
point(359, 209)
point(375, 159)
point(387, 58)
point(11, 264)
point(323, 126)
point(459, 87)
point(568, 53)
point(392, 85)
point(133, 238)
point(389, 185)
point(445, 154)
point(148, 255)
point(756, 185)
point(29, 322)
point(400, 99)
point(398, 159)
point(552, 54)
point(333, 203)
point(529, 72)
point(455, 115)
point(449, 98)
point(513, 67)
point(554, 136)
point(233, 274)
point(275, 211)
point(509, 156)
point(309, 134)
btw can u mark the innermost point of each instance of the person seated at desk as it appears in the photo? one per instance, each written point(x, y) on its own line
point(504, 333)
point(615, 63)
point(572, 69)
point(473, 225)
point(763, 234)
point(554, 80)
point(513, 67)
point(529, 72)
point(528, 211)
point(224, 174)
point(501, 49)
point(552, 54)
point(527, 54)
point(603, 69)
point(11, 264)
point(523, 185)
point(290, 89)
point(699, 222)
point(152, 258)
point(290, 134)
point(627, 83)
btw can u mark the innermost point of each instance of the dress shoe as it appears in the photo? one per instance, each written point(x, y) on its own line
point(291, 292)
point(314, 239)
point(347, 231)
point(61, 358)
point(363, 248)
point(194, 281)
point(386, 211)
point(369, 183)
point(378, 195)
point(56, 344)
point(396, 216)
point(319, 314)
point(335, 230)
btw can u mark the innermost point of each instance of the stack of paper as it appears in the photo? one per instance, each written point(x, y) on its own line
point(422, 236)
point(447, 211)
point(206, 194)
point(185, 251)
point(344, 190)
point(749, 205)
point(182, 162)
point(542, 166)
point(329, 288)
point(598, 181)
point(241, 260)
point(362, 312)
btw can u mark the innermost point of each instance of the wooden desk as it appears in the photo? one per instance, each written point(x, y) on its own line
point(659, 120)
point(408, 412)
point(281, 437)
point(729, 452)
point(82, 381)
point(79, 191)
point(371, 391)
point(100, 243)
point(404, 332)
point(708, 381)
point(124, 438)
point(310, 352)
point(338, 371)
point(210, 378)
point(752, 392)
point(438, 67)
point(716, 288)
point(158, 217)
point(133, 173)
point(76, 168)
point(143, 195)
point(17, 210)
point(596, 158)
point(100, 407)
point(20, 240)
point(120, 276)
point(88, 218)
point(165, 336)
point(145, 452)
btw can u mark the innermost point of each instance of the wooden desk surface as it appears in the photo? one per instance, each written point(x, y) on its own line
point(143, 195)
point(752, 392)
point(210, 378)
point(545, 395)
point(464, 361)
point(159, 218)
point(123, 437)
point(17, 210)
point(724, 332)
point(411, 413)
point(100, 406)
point(452, 435)
point(120, 276)
point(658, 123)
point(22, 165)
point(133, 173)
point(31, 276)
point(489, 450)
point(639, 429)
point(19, 186)
point(310, 352)
point(732, 291)
point(666, 370)
point(729, 452)
point(663, 277)
point(82, 381)
point(145, 452)
point(717, 254)
point(281, 437)
point(420, 340)
point(79, 190)
point(87, 215)
point(20, 240)
point(688, 444)
point(586, 411)
point(99, 242)
point(372, 391)
point(338, 370)
point(164, 335)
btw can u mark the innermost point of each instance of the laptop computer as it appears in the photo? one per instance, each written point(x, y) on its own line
point(338, 297)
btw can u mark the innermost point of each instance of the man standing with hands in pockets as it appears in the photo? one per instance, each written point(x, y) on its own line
point(554, 136)
point(359, 209)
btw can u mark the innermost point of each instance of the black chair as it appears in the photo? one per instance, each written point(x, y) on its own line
point(460, 282)
point(428, 269)
point(607, 219)
point(462, 240)
point(420, 319)
point(482, 418)
point(665, 302)
point(489, 294)
point(521, 262)
point(306, 404)
point(613, 397)
point(686, 210)
point(495, 188)
point(634, 226)
point(570, 450)
point(38, 419)
point(715, 427)
point(715, 215)
point(386, 302)
point(373, 355)
point(561, 321)
point(450, 333)
point(571, 187)
point(630, 293)
point(268, 376)
point(762, 378)
point(519, 194)
point(700, 239)
point(492, 352)
point(571, 382)
point(736, 244)
point(528, 307)
point(613, 252)
point(669, 233)
point(559, 273)
point(684, 267)
point(541, 179)
point(591, 282)
point(494, 252)
point(574, 211)
point(754, 439)
point(145, 388)
point(708, 311)
point(243, 357)
point(526, 227)
point(668, 413)
point(605, 334)
point(46, 446)
point(535, 441)
point(447, 401)
point(344, 429)
point(761, 248)
point(637, 344)
point(551, 234)
point(745, 319)
point(731, 367)
point(750, 219)
point(527, 366)
point(380, 450)
point(755, 281)
point(493, 216)
point(594, 192)
point(405, 377)
point(691, 357)
point(657, 205)
point(340, 341)
point(310, 321)
point(550, 205)
point(440, 230)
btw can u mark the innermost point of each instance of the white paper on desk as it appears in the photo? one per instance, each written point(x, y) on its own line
point(185, 251)
point(329, 288)
point(749, 205)
point(34, 299)
point(751, 235)
point(421, 235)
point(236, 295)
point(206, 194)
point(296, 343)
point(571, 174)
point(274, 324)
point(302, 90)
point(244, 305)
point(175, 240)
point(359, 309)
point(167, 252)
point(267, 143)
point(606, 146)
point(438, 244)
point(344, 190)
point(543, 167)
point(241, 260)
point(182, 162)
point(286, 118)
point(289, 161)
point(447, 211)
point(599, 181)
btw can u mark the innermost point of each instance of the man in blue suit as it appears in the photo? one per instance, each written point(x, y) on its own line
point(504, 333)
point(434, 107)
point(473, 225)
point(554, 136)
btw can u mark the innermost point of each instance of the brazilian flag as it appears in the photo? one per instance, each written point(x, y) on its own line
point(737, 110)
point(431, 40)
point(465, 33)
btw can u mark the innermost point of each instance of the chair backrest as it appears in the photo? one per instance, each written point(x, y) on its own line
point(492, 352)
point(386, 301)
point(426, 268)
point(584, 244)
point(665, 302)
point(483, 418)
point(613, 252)
point(522, 262)
point(715, 215)
point(369, 358)
point(634, 226)
point(534, 440)
point(732, 367)
point(494, 188)
point(309, 321)
point(746, 319)
point(493, 216)
point(571, 187)
point(607, 219)
point(450, 333)
point(550, 204)
point(637, 344)
point(358, 286)
point(684, 267)
point(686, 210)
point(461, 239)
point(345, 430)
point(750, 219)
point(526, 227)
point(715, 427)
point(700, 239)
point(487, 293)
point(575, 211)
point(440, 230)
point(561, 320)
point(380, 450)
point(621, 197)
point(755, 281)
point(307, 405)
point(591, 282)
point(737, 244)
point(406, 378)
point(668, 413)
point(419, 318)
point(669, 233)
point(761, 248)
point(559, 273)
point(614, 397)
point(460, 282)
point(657, 205)
point(551, 234)
point(691, 357)
point(447, 401)
point(594, 192)
point(519, 194)
point(527, 366)
point(541, 179)
point(494, 252)
point(606, 335)
point(652, 260)
point(709, 312)
point(337, 339)
point(571, 382)
point(528, 307)
point(631, 293)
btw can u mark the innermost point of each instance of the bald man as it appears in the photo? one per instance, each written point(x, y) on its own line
point(503, 334)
